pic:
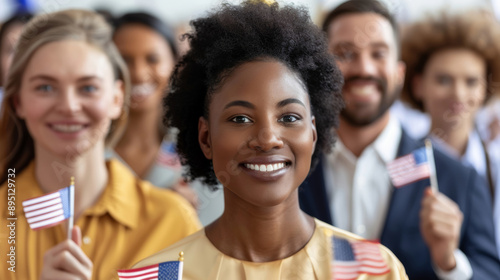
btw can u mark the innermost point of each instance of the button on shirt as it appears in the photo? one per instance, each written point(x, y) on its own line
point(360, 199)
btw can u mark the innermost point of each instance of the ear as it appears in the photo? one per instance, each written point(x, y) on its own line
point(117, 102)
point(204, 137)
point(315, 133)
point(417, 87)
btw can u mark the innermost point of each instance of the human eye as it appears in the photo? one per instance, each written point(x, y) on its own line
point(153, 59)
point(289, 119)
point(344, 55)
point(240, 119)
point(88, 89)
point(444, 79)
point(45, 88)
point(379, 54)
point(472, 82)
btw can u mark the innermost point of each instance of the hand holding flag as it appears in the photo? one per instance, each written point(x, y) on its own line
point(440, 224)
point(67, 260)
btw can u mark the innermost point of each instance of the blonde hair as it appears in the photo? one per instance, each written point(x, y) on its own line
point(474, 30)
point(16, 144)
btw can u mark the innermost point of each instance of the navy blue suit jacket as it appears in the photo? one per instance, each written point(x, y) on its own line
point(401, 231)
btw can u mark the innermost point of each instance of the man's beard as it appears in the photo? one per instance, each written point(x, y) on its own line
point(388, 98)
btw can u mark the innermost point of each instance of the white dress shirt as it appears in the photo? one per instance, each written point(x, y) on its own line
point(362, 193)
point(360, 199)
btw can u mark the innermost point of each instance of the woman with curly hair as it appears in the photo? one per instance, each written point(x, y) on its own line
point(256, 101)
point(453, 68)
point(60, 112)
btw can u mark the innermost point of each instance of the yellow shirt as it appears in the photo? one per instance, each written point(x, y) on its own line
point(131, 220)
point(203, 261)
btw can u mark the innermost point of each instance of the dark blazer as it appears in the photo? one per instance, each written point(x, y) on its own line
point(401, 231)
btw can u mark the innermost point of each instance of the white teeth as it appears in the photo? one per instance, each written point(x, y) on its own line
point(140, 90)
point(269, 167)
point(67, 127)
point(363, 90)
point(265, 167)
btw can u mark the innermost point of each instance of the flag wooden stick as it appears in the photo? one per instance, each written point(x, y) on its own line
point(71, 206)
point(432, 166)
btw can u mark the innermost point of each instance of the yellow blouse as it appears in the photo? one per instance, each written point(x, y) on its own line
point(203, 261)
point(131, 220)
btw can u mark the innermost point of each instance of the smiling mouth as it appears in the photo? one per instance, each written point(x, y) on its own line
point(68, 128)
point(266, 167)
point(365, 90)
point(142, 90)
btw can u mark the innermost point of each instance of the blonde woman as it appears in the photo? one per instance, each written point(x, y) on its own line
point(66, 98)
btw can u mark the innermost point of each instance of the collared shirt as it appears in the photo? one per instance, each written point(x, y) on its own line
point(361, 197)
point(131, 220)
point(362, 190)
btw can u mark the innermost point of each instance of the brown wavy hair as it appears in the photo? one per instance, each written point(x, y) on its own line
point(477, 31)
point(16, 144)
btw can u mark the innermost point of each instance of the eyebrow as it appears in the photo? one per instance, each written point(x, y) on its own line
point(241, 103)
point(249, 105)
point(287, 101)
point(352, 45)
point(46, 77)
point(42, 77)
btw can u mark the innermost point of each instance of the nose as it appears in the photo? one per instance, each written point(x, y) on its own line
point(139, 71)
point(363, 65)
point(69, 102)
point(461, 91)
point(265, 139)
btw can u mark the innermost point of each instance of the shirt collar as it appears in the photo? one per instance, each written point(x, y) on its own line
point(121, 198)
point(386, 144)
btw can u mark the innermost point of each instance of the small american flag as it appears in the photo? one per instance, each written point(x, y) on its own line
point(351, 259)
point(49, 209)
point(162, 271)
point(410, 168)
point(168, 156)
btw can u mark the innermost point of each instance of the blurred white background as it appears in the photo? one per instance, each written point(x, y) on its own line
point(181, 11)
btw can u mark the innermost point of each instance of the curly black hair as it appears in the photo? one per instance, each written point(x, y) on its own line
point(233, 35)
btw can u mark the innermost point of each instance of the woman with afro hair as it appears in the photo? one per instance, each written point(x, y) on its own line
point(256, 100)
point(453, 69)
